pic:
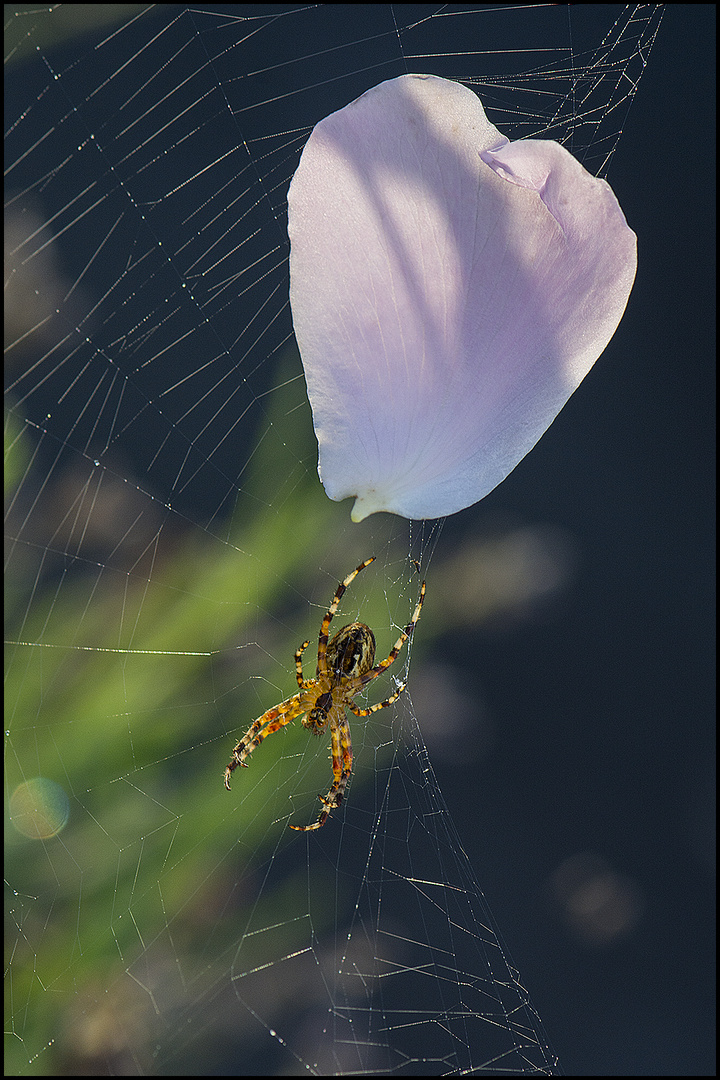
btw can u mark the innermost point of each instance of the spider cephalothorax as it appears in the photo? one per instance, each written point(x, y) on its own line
point(344, 667)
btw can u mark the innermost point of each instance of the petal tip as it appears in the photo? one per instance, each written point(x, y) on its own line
point(356, 514)
point(364, 506)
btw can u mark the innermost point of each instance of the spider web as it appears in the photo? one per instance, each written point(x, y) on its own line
point(169, 546)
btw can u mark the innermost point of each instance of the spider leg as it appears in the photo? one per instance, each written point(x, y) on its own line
point(265, 725)
point(298, 666)
point(379, 668)
point(342, 759)
point(381, 704)
point(325, 626)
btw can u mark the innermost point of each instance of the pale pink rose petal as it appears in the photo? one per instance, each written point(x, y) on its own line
point(449, 292)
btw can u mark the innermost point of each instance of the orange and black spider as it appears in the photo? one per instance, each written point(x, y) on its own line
point(344, 667)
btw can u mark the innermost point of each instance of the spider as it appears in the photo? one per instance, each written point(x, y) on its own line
point(344, 667)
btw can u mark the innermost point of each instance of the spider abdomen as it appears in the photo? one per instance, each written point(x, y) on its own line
point(351, 652)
